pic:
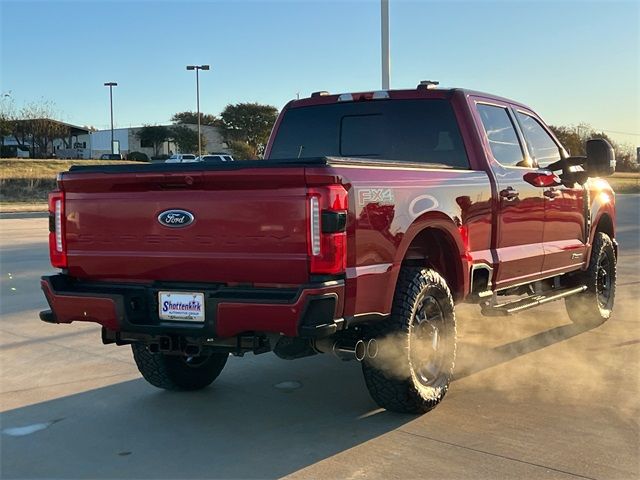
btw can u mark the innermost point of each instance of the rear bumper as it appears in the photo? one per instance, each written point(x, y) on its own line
point(313, 310)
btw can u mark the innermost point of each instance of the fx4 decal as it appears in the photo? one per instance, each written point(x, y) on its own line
point(375, 195)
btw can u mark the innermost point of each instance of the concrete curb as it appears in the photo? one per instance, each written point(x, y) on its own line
point(15, 215)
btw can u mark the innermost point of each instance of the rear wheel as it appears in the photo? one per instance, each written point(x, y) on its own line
point(594, 306)
point(417, 345)
point(178, 372)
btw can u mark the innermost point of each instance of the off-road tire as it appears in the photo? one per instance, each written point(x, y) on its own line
point(590, 308)
point(173, 372)
point(398, 387)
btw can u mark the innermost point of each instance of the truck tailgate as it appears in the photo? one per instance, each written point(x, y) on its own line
point(249, 225)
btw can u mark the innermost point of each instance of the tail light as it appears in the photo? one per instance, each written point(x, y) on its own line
point(327, 234)
point(57, 243)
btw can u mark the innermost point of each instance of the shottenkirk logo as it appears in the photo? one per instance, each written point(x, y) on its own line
point(175, 218)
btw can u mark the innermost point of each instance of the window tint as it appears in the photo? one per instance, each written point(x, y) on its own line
point(419, 131)
point(502, 136)
point(188, 157)
point(542, 148)
point(362, 136)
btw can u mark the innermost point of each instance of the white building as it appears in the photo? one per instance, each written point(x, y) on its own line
point(94, 144)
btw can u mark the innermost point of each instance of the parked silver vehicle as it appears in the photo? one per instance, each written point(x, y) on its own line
point(181, 158)
point(215, 158)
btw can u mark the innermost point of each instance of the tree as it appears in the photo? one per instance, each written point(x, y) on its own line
point(154, 135)
point(186, 139)
point(241, 150)
point(626, 159)
point(45, 131)
point(574, 139)
point(34, 127)
point(249, 123)
point(192, 118)
point(570, 139)
point(7, 117)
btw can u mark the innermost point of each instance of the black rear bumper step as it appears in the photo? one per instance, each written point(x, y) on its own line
point(509, 308)
point(48, 316)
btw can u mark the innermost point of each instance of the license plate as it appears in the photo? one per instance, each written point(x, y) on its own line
point(181, 306)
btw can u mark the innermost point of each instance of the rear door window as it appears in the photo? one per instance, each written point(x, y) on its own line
point(417, 131)
point(502, 136)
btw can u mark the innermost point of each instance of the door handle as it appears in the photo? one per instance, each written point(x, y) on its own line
point(552, 193)
point(509, 194)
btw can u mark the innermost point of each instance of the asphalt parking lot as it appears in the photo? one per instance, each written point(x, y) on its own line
point(534, 397)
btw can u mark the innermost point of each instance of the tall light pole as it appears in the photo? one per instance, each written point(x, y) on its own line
point(197, 68)
point(386, 60)
point(111, 85)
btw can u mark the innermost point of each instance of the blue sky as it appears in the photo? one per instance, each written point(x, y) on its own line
point(572, 61)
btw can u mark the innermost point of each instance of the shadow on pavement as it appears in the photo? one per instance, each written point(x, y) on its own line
point(241, 427)
point(476, 358)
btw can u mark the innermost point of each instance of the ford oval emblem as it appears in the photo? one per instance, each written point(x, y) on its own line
point(175, 218)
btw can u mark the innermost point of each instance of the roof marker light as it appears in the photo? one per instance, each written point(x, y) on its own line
point(380, 94)
point(345, 97)
point(428, 85)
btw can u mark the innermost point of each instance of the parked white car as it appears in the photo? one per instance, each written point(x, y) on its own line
point(181, 158)
point(216, 158)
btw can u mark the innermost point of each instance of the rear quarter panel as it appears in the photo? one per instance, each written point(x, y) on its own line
point(390, 206)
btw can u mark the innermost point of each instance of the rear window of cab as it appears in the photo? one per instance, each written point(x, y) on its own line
point(416, 131)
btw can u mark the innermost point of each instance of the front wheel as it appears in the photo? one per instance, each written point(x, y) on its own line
point(417, 345)
point(177, 372)
point(594, 306)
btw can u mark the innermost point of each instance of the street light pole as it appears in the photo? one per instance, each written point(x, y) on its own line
point(197, 68)
point(384, 27)
point(111, 85)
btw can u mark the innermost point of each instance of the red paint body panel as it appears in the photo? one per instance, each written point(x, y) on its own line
point(69, 308)
point(244, 231)
point(252, 226)
point(235, 318)
point(380, 234)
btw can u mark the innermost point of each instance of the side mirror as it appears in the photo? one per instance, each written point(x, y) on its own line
point(601, 159)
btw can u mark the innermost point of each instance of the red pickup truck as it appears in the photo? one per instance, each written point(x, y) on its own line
point(370, 217)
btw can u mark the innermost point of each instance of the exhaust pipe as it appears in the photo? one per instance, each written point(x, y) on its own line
point(372, 348)
point(192, 350)
point(342, 350)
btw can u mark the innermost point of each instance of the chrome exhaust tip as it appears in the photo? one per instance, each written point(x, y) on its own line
point(343, 351)
point(348, 352)
point(372, 348)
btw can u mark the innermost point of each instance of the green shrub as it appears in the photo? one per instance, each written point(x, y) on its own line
point(138, 157)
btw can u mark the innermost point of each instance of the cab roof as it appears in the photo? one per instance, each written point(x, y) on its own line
point(421, 92)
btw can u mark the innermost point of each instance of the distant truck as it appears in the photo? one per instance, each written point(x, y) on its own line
point(371, 216)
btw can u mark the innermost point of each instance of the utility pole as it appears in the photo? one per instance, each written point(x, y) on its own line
point(111, 85)
point(197, 68)
point(386, 59)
